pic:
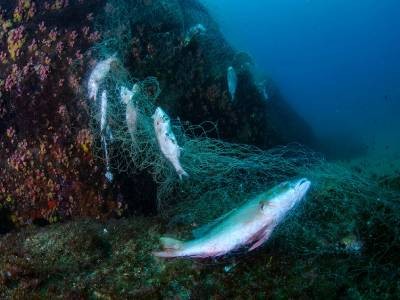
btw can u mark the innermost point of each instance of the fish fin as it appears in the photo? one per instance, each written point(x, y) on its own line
point(166, 254)
point(170, 243)
point(262, 240)
point(266, 204)
point(202, 230)
point(109, 176)
point(182, 173)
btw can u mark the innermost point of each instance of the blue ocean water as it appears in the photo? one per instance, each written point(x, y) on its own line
point(336, 61)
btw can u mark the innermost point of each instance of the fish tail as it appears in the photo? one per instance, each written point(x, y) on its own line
point(166, 254)
point(170, 246)
point(181, 173)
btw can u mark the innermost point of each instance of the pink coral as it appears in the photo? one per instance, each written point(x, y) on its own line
point(59, 48)
point(42, 27)
point(13, 79)
point(53, 34)
point(10, 132)
point(33, 46)
point(94, 37)
point(85, 30)
point(3, 57)
point(43, 71)
point(79, 55)
point(71, 38)
point(15, 41)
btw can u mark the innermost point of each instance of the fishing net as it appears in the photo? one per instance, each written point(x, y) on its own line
point(345, 232)
point(221, 174)
point(347, 218)
point(213, 166)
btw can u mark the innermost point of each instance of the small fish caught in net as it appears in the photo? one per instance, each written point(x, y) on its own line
point(210, 163)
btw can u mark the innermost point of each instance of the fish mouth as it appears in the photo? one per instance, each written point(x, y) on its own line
point(157, 113)
point(303, 185)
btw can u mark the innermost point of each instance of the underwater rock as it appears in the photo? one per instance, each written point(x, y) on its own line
point(193, 77)
point(49, 170)
point(85, 259)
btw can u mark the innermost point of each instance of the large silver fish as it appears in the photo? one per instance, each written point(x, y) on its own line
point(231, 78)
point(249, 225)
point(167, 140)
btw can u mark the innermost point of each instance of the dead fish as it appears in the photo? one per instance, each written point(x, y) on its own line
point(103, 111)
point(129, 98)
point(167, 140)
point(98, 74)
point(193, 31)
point(351, 244)
point(232, 81)
point(249, 225)
point(105, 133)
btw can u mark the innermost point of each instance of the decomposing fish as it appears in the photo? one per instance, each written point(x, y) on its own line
point(167, 140)
point(98, 74)
point(128, 97)
point(351, 244)
point(232, 81)
point(249, 225)
point(105, 132)
point(103, 111)
point(193, 31)
point(262, 86)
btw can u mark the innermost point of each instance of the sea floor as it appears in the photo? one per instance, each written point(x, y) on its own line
point(92, 259)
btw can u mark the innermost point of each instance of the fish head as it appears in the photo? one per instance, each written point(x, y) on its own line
point(135, 89)
point(285, 195)
point(113, 62)
point(161, 119)
point(301, 186)
point(296, 190)
point(199, 28)
point(125, 94)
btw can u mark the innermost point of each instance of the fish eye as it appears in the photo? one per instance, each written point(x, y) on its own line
point(262, 204)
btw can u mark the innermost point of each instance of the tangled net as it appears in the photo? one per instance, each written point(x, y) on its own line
point(221, 174)
point(347, 220)
point(214, 166)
